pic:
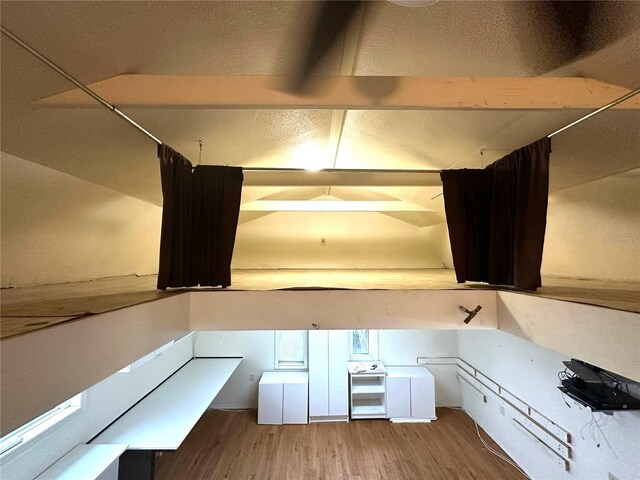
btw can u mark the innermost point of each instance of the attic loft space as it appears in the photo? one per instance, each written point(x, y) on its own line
point(82, 193)
point(341, 184)
point(214, 206)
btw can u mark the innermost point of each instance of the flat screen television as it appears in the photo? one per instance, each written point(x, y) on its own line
point(598, 389)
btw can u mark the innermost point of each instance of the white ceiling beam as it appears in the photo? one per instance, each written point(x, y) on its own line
point(419, 219)
point(330, 206)
point(347, 64)
point(349, 92)
point(342, 178)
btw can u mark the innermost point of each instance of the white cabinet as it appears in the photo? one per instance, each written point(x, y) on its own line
point(282, 398)
point(410, 393)
point(328, 379)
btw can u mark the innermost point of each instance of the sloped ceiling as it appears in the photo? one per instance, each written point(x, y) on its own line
point(97, 40)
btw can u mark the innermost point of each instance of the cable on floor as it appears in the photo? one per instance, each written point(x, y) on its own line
point(497, 454)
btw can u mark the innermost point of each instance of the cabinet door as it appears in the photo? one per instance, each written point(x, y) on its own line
point(294, 408)
point(398, 397)
point(338, 374)
point(318, 373)
point(423, 401)
point(270, 404)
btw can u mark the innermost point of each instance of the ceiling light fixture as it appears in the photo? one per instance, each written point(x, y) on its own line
point(310, 155)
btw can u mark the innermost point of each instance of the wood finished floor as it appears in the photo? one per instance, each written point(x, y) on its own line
point(225, 445)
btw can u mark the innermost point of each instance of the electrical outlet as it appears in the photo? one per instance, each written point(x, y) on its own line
point(252, 377)
point(502, 410)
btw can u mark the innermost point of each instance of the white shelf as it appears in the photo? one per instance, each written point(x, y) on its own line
point(367, 410)
point(367, 389)
point(364, 376)
point(162, 419)
point(367, 379)
point(365, 368)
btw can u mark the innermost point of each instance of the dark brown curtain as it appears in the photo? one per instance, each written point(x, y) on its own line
point(199, 221)
point(497, 217)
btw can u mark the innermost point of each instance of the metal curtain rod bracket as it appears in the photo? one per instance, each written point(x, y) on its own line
point(126, 118)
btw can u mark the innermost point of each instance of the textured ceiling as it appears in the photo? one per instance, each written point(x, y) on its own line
point(97, 40)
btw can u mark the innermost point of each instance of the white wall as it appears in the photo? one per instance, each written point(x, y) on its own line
point(58, 228)
point(258, 351)
point(396, 347)
point(353, 240)
point(340, 309)
point(48, 366)
point(530, 372)
point(593, 230)
point(402, 347)
point(101, 405)
point(438, 238)
point(598, 335)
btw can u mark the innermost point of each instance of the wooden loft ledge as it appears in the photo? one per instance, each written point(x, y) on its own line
point(28, 309)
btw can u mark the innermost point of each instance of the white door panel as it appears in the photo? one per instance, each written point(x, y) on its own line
point(398, 397)
point(338, 374)
point(318, 373)
point(422, 398)
point(270, 404)
point(295, 403)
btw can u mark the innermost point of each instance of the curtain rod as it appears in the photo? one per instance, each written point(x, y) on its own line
point(126, 118)
point(596, 112)
point(80, 85)
point(337, 170)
